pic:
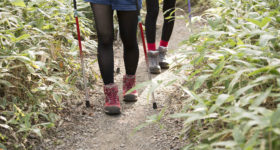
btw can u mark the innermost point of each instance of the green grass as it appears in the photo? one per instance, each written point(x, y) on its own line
point(39, 66)
point(233, 81)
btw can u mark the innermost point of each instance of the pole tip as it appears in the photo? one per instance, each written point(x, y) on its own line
point(154, 105)
point(118, 70)
point(87, 104)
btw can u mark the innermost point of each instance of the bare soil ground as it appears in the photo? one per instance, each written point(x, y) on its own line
point(91, 129)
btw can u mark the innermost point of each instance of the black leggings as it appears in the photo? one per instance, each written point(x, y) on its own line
point(103, 16)
point(151, 19)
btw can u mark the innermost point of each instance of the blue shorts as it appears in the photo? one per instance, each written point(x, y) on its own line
point(125, 5)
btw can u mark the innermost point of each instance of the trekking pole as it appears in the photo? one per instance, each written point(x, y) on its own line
point(145, 52)
point(119, 46)
point(81, 53)
point(190, 15)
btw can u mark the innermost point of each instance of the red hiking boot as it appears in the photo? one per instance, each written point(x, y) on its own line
point(128, 83)
point(112, 103)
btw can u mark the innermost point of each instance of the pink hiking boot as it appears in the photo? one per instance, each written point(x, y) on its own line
point(112, 103)
point(128, 83)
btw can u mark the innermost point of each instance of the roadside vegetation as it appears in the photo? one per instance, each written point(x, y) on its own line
point(39, 67)
point(232, 77)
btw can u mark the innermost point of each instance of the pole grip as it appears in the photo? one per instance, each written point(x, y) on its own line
point(143, 41)
point(79, 37)
point(75, 4)
point(137, 7)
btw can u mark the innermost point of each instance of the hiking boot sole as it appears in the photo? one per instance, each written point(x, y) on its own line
point(164, 65)
point(130, 98)
point(155, 70)
point(112, 110)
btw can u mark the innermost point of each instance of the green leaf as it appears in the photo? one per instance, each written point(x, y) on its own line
point(244, 89)
point(265, 21)
point(5, 126)
point(53, 117)
point(19, 3)
point(261, 70)
point(57, 98)
point(221, 99)
point(226, 144)
point(276, 130)
point(23, 59)
point(245, 100)
point(37, 131)
point(236, 79)
point(237, 135)
point(46, 125)
point(30, 69)
point(219, 134)
point(275, 119)
point(264, 39)
point(193, 117)
point(239, 42)
point(198, 60)
point(192, 94)
point(200, 80)
point(26, 119)
point(139, 86)
point(261, 23)
point(256, 22)
point(180, 115)
point(252, 141)
point(23, 37)
point(220, 67)
point(171, 82)
point(6, 83)
point(262, 97)
point(264, 78)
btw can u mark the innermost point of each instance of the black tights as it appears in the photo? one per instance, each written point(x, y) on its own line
point(151, 19)
point(103, 16)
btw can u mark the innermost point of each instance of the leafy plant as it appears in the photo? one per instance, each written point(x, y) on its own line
point(234, 77)
point(39, 66)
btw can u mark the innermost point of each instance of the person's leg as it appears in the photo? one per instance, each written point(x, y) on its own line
point(150, 23)
point(103, 17)
point(128, 21)
point(169, 19)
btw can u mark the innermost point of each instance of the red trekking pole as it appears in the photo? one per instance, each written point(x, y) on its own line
point(81, 53)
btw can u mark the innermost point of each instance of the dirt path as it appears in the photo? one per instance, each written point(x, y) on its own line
point(94, 130)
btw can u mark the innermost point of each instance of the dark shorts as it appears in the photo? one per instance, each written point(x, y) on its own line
point(126, 5)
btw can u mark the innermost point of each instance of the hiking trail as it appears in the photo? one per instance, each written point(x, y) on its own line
point(91, 129)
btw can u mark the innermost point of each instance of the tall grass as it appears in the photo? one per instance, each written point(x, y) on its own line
point(232, 78)
point(39, 66)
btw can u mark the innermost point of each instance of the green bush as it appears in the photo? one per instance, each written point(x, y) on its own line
point(39, 66)
point(233, 77)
